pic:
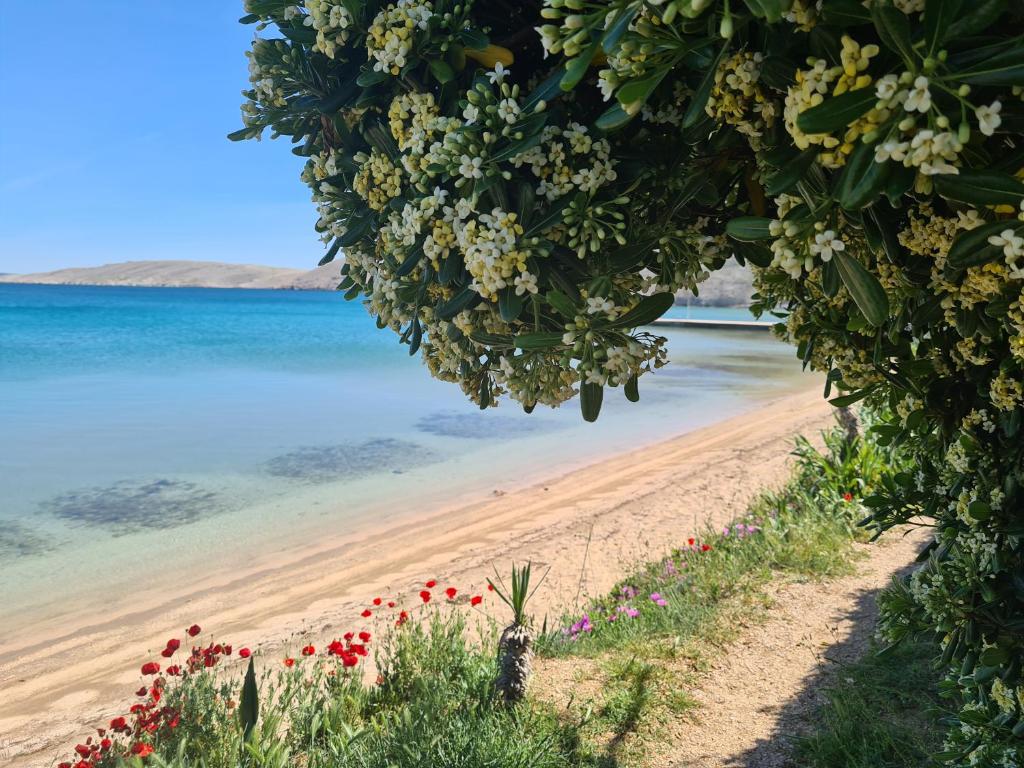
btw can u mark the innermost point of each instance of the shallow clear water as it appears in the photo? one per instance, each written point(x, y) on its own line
point(209, 424)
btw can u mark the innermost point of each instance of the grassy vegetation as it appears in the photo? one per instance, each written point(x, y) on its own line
point(636, 653)
point(670, 619)
point(881, 713)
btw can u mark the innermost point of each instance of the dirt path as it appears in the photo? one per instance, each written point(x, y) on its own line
point(763, 690)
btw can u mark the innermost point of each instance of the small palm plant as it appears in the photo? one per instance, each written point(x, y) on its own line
point(515, 646)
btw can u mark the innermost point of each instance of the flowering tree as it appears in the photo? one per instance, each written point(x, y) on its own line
point(518, 186)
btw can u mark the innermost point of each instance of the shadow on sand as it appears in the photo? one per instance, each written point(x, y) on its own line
point(796, 717)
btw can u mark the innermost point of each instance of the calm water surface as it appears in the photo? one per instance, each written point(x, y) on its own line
point(185, 429)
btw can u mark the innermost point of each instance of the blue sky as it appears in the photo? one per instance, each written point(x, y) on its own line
point(112, 141)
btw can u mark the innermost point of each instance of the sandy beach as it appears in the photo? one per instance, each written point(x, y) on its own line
point(589, 526)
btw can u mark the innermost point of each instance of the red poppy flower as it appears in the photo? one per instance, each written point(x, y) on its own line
point(336, 648)
point(227, 650)
point(118, 723)
point(83, 764)
point(349, 635)
point(402, 618)
point(349, 660)
point(167, 652)
point(847, 496)
point(174, 643)
point(142, 691)
point(391, 604)
point(245, 653)
point(377, 601)
point(289, 662)
point(476, 600)
point(366, 614)
point(430, 584)
point(425, 596)
point(490, 587)
point(364, 636)
point(150, 668)
point(174, 670)
point(309, 650)
point(691, 542)
point(193, 630)
point(106, 744)
point(451, 592)
point(705, 547)
point(141, 749)
point(83, 749)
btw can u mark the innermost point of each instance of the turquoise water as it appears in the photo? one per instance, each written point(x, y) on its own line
point(209, 424)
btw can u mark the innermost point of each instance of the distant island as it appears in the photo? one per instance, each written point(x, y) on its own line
point(728, 287)
point(189, 274)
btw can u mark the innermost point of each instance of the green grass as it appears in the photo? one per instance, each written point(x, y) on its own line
point(881, 713)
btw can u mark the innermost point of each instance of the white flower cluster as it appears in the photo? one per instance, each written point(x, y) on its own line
point(568, 160)
point(331, 20)
point(491, 248)
point(392, 34)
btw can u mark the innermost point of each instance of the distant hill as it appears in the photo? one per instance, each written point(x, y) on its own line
point(730, 286)
point(189, 274)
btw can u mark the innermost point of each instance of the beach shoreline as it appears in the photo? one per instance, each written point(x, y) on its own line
point(588, 524)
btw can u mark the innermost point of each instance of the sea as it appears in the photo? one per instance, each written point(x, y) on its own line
point(154, 433)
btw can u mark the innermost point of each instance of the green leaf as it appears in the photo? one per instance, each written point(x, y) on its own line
point(331, 253)
point(464, 299)
point(613, 117)
point(552, 218)
point(632, 389)
point(830, 279)
point(979, 510)
point(700, 98)
point(562, 304)
point(1005, 68)
point(546, 91)
point(591, 396)
point(640, 90)
point(837, 112)
point(491, 339)
point(539, 340)
point(894, 30)
point(370, 77)
point(474, 38)
point(749, 228)
point(757, 255)
point(938, 16)
point(980, 187)
point(844, 13)
point(618, 27)
point(355, 231)
point(249, 701)
point(451, 268)
point(972, 247)
point(410, 262)
point(576, 68)
point(854, 397)
point(646, 312)
point(864, 287)
point(441, 71)
point(304, 35)
point(979, 18)
point(510, 305)
point(792, 172)
point(861, 180)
